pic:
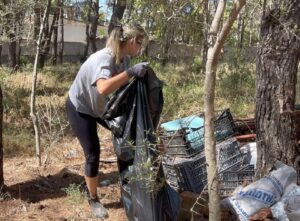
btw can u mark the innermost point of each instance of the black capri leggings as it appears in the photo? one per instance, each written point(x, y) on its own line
point(85, 128)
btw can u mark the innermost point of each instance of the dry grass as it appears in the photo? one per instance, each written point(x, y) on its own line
point(183, 94)
point(36, 192)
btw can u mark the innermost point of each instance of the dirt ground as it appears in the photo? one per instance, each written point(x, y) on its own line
point(37, 193)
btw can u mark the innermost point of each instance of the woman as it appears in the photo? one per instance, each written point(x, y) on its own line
point(101, 74)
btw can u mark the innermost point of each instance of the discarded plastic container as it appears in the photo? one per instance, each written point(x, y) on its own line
point(186, 132)
point(176, 145)
point(185, 137)
point(190, 172)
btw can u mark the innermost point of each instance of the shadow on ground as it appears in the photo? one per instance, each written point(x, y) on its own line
point(51, 186)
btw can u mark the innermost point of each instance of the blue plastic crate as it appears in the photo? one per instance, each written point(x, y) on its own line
point(185, 136)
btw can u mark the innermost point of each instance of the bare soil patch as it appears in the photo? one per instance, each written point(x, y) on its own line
point(38, 193)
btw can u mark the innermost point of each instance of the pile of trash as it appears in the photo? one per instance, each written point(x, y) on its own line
point(184, 161)
point(273, 197)
point(276, 195)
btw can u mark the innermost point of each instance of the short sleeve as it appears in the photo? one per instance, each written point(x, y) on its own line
point(104, 68)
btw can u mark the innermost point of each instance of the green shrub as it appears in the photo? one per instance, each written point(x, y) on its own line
point(74, 194)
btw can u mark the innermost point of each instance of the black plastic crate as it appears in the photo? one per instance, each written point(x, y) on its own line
point(176, 143)
point(190, 172)
point(194, 173)
point(227, 149)
point(230, 180)
point(229, 155)
point(224, 125)
point(173, 176)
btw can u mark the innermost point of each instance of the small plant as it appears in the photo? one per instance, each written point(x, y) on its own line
point(146, 170)
point(75, 196)
point(52, 124)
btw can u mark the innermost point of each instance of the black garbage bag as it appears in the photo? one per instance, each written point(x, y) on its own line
point(145, 194)
point(120, 116)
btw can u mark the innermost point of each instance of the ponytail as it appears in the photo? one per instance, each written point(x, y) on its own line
point(114, 42)
point(119, 36)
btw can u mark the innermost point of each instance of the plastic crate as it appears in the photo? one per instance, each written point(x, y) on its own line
point(230, 180)
point(181, 137)
point(176, 144)
point(173, 175)
point(190, 172)
point(185, 137)
point(229, 155)
point(194, 173)
point(224, 125)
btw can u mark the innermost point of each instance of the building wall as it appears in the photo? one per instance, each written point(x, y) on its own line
point(75, 38)
point(73, 51)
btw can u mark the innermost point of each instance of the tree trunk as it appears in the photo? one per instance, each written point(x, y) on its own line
point(55, 33)
point(204, 47)
point(130, 7)
point(10, 29)
point(117, 15)
point(18, 54)
point(94, 23)
point(168, 34)
point(20, 16)
point(167, 40)
point(277, 65)
point(0, 55)
point(12, 50)
point(87, 34)
point(45, 39)
point(240, 30)
point(216, 43)
point(34, 80)
point(1, 143)
point(61, 40)
point(50, 32)
point(37, 20)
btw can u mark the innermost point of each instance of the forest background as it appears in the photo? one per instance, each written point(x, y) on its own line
point(168, 24)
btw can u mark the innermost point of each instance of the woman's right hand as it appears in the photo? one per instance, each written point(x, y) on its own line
point(138, 70)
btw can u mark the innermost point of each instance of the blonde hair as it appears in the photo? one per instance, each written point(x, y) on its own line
point(120, 35)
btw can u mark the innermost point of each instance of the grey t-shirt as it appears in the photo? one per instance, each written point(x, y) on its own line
point(83, 92)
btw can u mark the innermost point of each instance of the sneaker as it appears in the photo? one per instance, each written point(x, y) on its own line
point(97, 208)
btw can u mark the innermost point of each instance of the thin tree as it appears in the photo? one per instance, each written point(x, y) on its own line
point(37, 19)
point(34, 80)
point(205, 32)
point(277, 66)
point(1, 143)
point(216, 42)
point(10, 29)
point(94, 23)
point(118, 12)
point(0, 54)
point(240, 29)
point(45, 38)
point(61, 42)
point(55, 33)
point(87, 33)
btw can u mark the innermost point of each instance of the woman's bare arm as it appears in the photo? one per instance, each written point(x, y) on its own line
point(107, 86)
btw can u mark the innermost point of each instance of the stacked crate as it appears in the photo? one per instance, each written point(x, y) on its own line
point(184, 162)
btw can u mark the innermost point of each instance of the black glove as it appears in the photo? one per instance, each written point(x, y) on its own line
point(138, 70)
